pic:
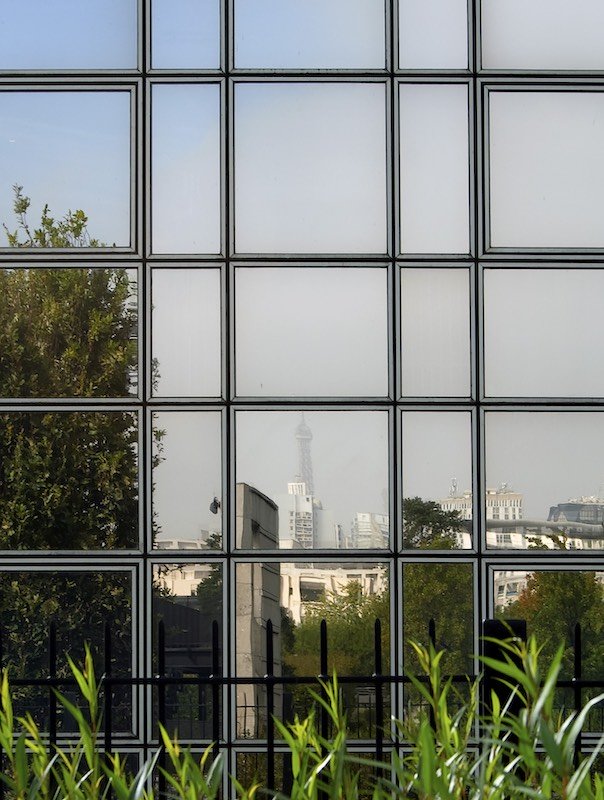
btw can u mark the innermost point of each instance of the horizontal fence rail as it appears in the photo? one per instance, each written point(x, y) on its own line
point(209, 688)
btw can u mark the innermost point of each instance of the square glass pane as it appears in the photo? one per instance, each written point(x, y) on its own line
point(350, 596)
point(66, 34)
point(185, 165)
point(546, 168)
point(188, 599)
point(52, 341)
point(531, 346)
point(333, 332)
point(186, 323)
point(443, 593)
point(435, 333)
point(437, 479)
point(542, 34)
point(433, 34)
point(547, 470)
point(187, 479)
point(310, 168)
point(434, 168)
point(316, 469)
point(185, 34)
point(309, 34)
point(553, 601)
point(71, 152)
point(79, 602)
point(68, 480)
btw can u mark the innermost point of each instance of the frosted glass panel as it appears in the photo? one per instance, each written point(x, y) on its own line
point(311, 34)
point(186, 168)
point(544, 332)
point(311, 332)
point(434, 168)
point(435, 316)
point(70, 151)
point(185, 34)
point(546, 169)
point(542, 34)
point(437, 469)
point(310, 168)
point(186, 332)
point(433, 34)
point(187, 479)
point(68, 34)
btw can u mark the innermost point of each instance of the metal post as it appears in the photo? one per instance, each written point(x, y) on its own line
point(270, 707)
point(161, 702)
point(578, 674)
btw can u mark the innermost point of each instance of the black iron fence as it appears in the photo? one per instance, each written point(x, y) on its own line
point(192, 703)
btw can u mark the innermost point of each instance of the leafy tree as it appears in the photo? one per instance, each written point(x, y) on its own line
point(68, 479)
point(427, 526)
point(552, 603)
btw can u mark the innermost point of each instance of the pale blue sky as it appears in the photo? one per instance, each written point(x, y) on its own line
point(70, 150)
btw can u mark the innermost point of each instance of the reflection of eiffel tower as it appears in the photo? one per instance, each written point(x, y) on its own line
point(304, 438)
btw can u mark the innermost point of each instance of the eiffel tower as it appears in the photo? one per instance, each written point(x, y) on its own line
point(304, 438)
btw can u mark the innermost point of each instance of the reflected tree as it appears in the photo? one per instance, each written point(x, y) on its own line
point(68, 480)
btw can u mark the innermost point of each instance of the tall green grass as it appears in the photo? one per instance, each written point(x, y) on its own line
point(530, 754)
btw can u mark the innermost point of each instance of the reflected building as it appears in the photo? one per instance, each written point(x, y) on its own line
point(370, 530)
point(502, 503)
point(189, 625)
point(302, 585)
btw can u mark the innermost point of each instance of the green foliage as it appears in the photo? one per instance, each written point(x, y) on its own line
point(531, 755)
point(68, 480)
point(71, 231)
point(429, 527)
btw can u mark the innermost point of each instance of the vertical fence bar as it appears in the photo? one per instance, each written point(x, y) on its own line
point(161, 703)
point(324, 721)
point(270, 707)
point(432, 638)
point(578, 674)
point(108, 698)
point(216, 672)
point(52, 698)
point(379, 691)
point(52, 673)
point(323, 675)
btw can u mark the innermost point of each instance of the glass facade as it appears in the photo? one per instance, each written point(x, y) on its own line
point(282, 275)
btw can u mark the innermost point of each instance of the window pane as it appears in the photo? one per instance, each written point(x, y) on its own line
point(433, 35)
point(434, 171)
point(310, 168)
point(542, 34)
point(188, 599)
point(96, 34)
point(79, 602)
point(443, 593)
point(435, 317)
point(185, 34)
point(437, 456)
point(68, 480)
point(296, 597)
point(547, 467)
point(187, 479)
point(552, 602)
point(320, 34)
point(319, 469)
point(332, 324)
point(546, 169)
point(186, 312)
point(70, 151)
point(531, 346)
point(186, 168)
point(53, 343)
